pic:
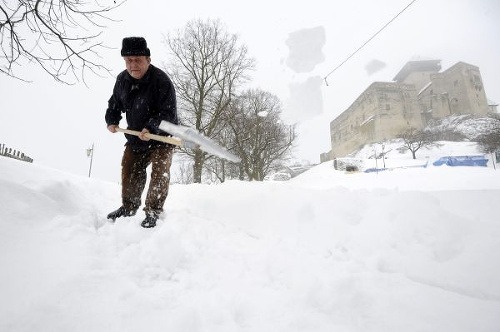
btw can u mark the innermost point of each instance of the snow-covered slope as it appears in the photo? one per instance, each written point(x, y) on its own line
point(471, 126)
point(405, 250)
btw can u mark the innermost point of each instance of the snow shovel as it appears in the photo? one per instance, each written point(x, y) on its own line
point(187, 138)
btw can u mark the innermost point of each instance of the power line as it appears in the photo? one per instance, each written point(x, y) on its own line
point(366, 42)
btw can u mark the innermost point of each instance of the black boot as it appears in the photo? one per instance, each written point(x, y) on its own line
point(121, 212)
point(150, 220)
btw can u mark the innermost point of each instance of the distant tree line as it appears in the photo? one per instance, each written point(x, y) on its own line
point(415, 139)
point(11, 153)
point(490, 140)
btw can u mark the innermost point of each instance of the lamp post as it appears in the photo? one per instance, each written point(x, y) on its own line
point(383, 154)
point(90, 153)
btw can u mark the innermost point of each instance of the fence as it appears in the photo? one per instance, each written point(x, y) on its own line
point(11, 153)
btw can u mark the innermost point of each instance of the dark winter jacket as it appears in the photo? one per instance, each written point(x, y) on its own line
point(145, 102)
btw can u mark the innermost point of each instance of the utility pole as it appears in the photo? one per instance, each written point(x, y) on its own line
point(90, 153)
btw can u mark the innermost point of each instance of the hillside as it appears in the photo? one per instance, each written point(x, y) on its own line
point(469, 126)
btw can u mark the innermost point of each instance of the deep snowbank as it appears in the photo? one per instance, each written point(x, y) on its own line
point(405, 250)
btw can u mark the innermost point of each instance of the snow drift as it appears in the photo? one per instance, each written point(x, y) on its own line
point(405, 250)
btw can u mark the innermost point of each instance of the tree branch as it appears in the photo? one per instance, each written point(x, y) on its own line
point(48, 33)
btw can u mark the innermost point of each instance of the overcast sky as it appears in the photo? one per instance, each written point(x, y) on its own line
point(295, 44)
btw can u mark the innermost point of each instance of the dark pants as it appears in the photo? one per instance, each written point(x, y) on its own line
point(134, 164)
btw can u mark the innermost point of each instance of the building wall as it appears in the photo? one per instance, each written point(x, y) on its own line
point(458, 90)
point(381, 112)
point(385, 109)
point(419, 79)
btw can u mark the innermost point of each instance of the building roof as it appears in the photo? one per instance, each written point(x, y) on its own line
point(413, 66)
point(461, 64)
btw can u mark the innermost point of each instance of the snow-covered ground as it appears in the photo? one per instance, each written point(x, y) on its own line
point(412, 249)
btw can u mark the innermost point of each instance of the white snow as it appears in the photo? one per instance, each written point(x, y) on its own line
point(413, 249)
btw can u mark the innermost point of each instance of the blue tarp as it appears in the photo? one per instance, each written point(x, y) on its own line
point(371, 170)
point(462, 161)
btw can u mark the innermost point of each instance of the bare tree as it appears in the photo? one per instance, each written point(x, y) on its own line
point(208, 66)
point(261, 140)
point(489, 141)
point(220, 169)
point(62, 37)
point(415, 139)
point(184, 174)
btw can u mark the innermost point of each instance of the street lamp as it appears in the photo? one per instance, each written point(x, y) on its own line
point(90, 153)
point(383, 154)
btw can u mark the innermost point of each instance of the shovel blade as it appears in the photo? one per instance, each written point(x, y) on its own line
point(190, 135)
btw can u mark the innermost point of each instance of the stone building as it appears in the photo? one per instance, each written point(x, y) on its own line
point(418, 94)
point(457, 90)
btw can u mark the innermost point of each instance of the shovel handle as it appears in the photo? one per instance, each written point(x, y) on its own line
point(164, 139)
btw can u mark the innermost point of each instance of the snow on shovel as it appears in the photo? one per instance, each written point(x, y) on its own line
point(204, 143)
point(188, 138)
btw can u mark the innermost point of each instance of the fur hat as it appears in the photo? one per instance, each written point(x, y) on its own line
point(135, 46)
